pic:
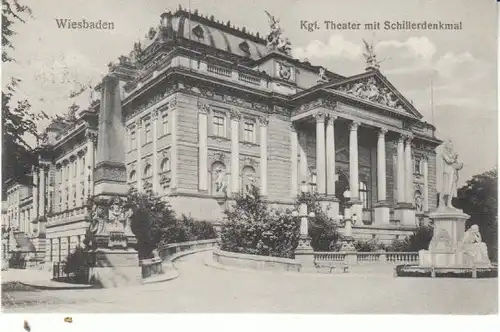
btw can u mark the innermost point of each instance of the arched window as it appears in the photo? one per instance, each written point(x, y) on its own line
point(132, 176)
point(248, 180)
point(165, 165)
point(363, 194)
point(219, 178)
point(148, 171)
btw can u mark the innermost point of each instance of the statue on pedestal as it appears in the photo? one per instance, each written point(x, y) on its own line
point(451, 166)
point(473, 247)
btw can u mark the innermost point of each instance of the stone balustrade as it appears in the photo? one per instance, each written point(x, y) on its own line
point(80, 211)
point(169, 251)
point(368, 257)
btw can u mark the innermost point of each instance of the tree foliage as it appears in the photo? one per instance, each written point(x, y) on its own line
point(479, 199)
point(17, 119)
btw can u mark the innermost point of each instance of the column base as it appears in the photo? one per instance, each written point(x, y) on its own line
point(382, 213)
point(405, 213)
point(331, 205)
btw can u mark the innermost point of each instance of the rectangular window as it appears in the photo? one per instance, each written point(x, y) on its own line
point(416, 166)
point(249, 132)
point(165, 128)
point(148, 132)
point(219, 125)
point(132, 140)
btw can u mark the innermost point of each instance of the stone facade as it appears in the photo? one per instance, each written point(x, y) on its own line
point(206, 119)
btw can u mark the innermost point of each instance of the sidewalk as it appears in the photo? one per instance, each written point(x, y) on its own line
point(37, 278)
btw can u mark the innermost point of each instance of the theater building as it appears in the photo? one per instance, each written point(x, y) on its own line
point(211, 110)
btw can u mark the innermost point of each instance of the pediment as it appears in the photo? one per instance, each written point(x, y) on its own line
point(375, 88)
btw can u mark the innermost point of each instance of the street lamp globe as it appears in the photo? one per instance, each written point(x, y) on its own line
point(347, 194)
point(312, 214)
point(303, 187)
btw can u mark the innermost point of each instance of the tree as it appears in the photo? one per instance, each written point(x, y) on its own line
point(478, 198)
point(17, 119)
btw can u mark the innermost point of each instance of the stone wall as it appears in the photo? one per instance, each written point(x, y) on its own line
point(256, 262)
point(279, 159)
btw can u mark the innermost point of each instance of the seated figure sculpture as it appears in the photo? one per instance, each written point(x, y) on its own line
point(474, 250)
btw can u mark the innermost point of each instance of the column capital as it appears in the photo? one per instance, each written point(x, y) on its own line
point(203, 108)
point(320, 117)
point(331, 119)
point(382, 131)
point(401, 139)
point(138, 123)
point(292, 127)
point(154, 114)
point(234, 114)
point(264, 120)
point(353, 126)
point(408, 139)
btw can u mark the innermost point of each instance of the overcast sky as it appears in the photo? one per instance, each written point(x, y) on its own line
point(52, 61)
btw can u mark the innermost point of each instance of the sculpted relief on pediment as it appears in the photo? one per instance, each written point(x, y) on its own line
point(372, 90)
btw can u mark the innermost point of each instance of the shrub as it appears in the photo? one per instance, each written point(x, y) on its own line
point(368, 246)
point(78, 265)
point(251, 227)
point(322, 229)
point(419, 240)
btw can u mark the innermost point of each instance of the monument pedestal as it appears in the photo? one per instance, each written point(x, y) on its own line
point(446, 248)
point(304, 254)
point(116, 268)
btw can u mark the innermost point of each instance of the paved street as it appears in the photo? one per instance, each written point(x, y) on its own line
point(204, 289)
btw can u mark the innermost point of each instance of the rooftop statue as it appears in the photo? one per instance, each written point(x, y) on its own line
point(451, 166)
point(275, 39)
point(370, 57)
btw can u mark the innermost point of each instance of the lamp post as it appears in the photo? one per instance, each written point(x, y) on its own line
point(304, 252)
point(347, 220)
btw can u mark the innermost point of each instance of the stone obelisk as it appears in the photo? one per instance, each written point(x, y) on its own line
point(110, 172)
point(117, 262)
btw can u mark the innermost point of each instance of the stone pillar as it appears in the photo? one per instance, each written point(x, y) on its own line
point(154, 128)
point(42, 191)
point(235, 151)
point(400, 170)
point(330, 153)
point(36, 188)
point(425, 171)
point(294, 154)
point(138, 133)
point(264, 121)
point(89, 167)
point(203, 147)
point(382, 213)
point(320, 154)
point(357, 206)
point(303, 157)
point(408, 172)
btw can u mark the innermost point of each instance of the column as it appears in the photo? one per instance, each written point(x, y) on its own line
point(203, 147)
point(173, 149)
point(303, 157)
point(89, 167)
point(34, 214)
point(71, 184)
point(320, 153)
point(408, 172)
point(382, 212)
point(154, 129)
point(400, 170)
point(425, 171)
point(63, 186)
point(264, 121)
point(353, 161)
point(42, 191)
point(294, 154)
point(78, 200)
point(330, 155)
point(138, 133)
point(235, 151)
point(381, 173)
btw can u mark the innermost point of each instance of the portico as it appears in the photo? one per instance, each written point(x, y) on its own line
point(367, 201)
